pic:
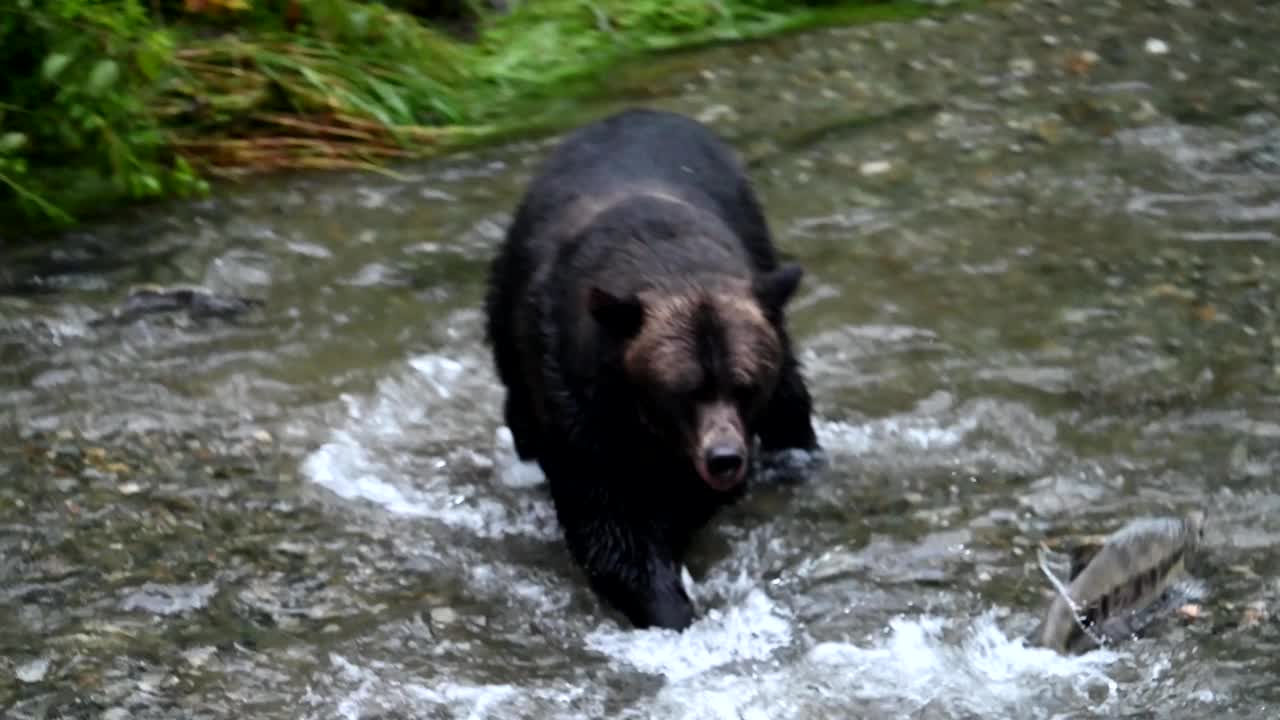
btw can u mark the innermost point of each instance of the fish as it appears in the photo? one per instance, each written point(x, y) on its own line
point(1119, 584)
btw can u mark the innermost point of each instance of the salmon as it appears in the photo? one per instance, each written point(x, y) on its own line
point(1118, 585)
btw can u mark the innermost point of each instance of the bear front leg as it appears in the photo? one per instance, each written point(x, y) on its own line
point(629, 569)
point(789, 447)
point(522, 424)
point(787, 423)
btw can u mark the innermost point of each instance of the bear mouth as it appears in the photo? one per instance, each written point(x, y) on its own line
point(721, 483)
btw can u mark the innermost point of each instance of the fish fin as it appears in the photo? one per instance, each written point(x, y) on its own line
point(1043, 554)
point(1083, 626)
point(1081, 555)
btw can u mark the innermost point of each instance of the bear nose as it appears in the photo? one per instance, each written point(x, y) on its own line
point(723, 461)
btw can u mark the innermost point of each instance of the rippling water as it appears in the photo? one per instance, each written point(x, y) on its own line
point(1042, 299)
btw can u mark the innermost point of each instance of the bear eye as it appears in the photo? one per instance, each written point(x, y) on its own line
point(745, 393)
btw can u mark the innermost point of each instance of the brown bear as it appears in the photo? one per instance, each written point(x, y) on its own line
point(635, 310)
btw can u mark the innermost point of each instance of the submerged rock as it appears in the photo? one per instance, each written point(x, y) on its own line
point(33, 671)
point(1120, 584)
point(196, 301)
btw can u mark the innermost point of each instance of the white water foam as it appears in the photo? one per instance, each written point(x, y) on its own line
point(721, 668)
point(951, 667)
point(892, 434)
point(940, 432)
point(738, 622)
point(343, 466)
point(380, 452)
point(734, 661)
point(368, 690)
point(751, 629)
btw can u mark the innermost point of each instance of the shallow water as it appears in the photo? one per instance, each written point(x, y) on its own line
point(1042, 299)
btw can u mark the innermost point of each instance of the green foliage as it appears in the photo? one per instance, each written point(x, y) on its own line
point(542, 44)
point(545, 48)
point(79, 77)
point(104, 100)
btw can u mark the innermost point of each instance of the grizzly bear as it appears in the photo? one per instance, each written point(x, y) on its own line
point(635, 311)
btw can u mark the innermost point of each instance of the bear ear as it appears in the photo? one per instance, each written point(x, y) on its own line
point(775, 289)
point(621, 317)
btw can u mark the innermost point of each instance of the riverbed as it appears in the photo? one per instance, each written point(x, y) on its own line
point(1043, 254)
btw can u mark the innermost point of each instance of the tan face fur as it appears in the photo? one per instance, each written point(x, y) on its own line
point(708, 360)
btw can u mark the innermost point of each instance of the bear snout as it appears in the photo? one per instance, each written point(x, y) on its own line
point(721, 451)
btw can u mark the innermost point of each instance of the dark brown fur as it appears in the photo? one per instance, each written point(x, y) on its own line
point(636, 316)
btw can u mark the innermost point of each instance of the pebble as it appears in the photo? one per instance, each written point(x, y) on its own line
point(1191, 611)
point(34, 671)
point(715, 113)
point(1244, 570)
point(1254, 613)
point(1146, 112)
point(444, 615)
point(129, 488)
point(875, 167)
point(1156, 46)
point(263, 437)
point(1082, 62)
point(199, 656)
point(834, 563)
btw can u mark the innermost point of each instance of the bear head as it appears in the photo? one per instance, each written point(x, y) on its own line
point(702, 359)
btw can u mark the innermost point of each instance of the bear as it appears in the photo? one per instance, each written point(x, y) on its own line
point(635, 311)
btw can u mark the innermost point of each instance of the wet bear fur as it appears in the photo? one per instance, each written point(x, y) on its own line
point(636, 315)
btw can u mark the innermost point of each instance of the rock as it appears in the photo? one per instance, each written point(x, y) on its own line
point(199, 656)
point(196, 301)
point(444, 615)
point(1022, 67)
point(875, 167)
point(1254, 613)
point(33, 671)
point(161, 599)
point(1191, 611)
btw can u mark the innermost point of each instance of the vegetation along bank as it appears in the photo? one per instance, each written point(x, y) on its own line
point(110, 101)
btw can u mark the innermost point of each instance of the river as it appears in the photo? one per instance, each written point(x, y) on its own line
point(1043, 253)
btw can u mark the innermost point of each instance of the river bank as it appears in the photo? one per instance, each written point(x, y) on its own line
point(129, 100)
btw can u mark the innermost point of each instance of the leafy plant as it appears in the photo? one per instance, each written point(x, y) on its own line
point(80, 77)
